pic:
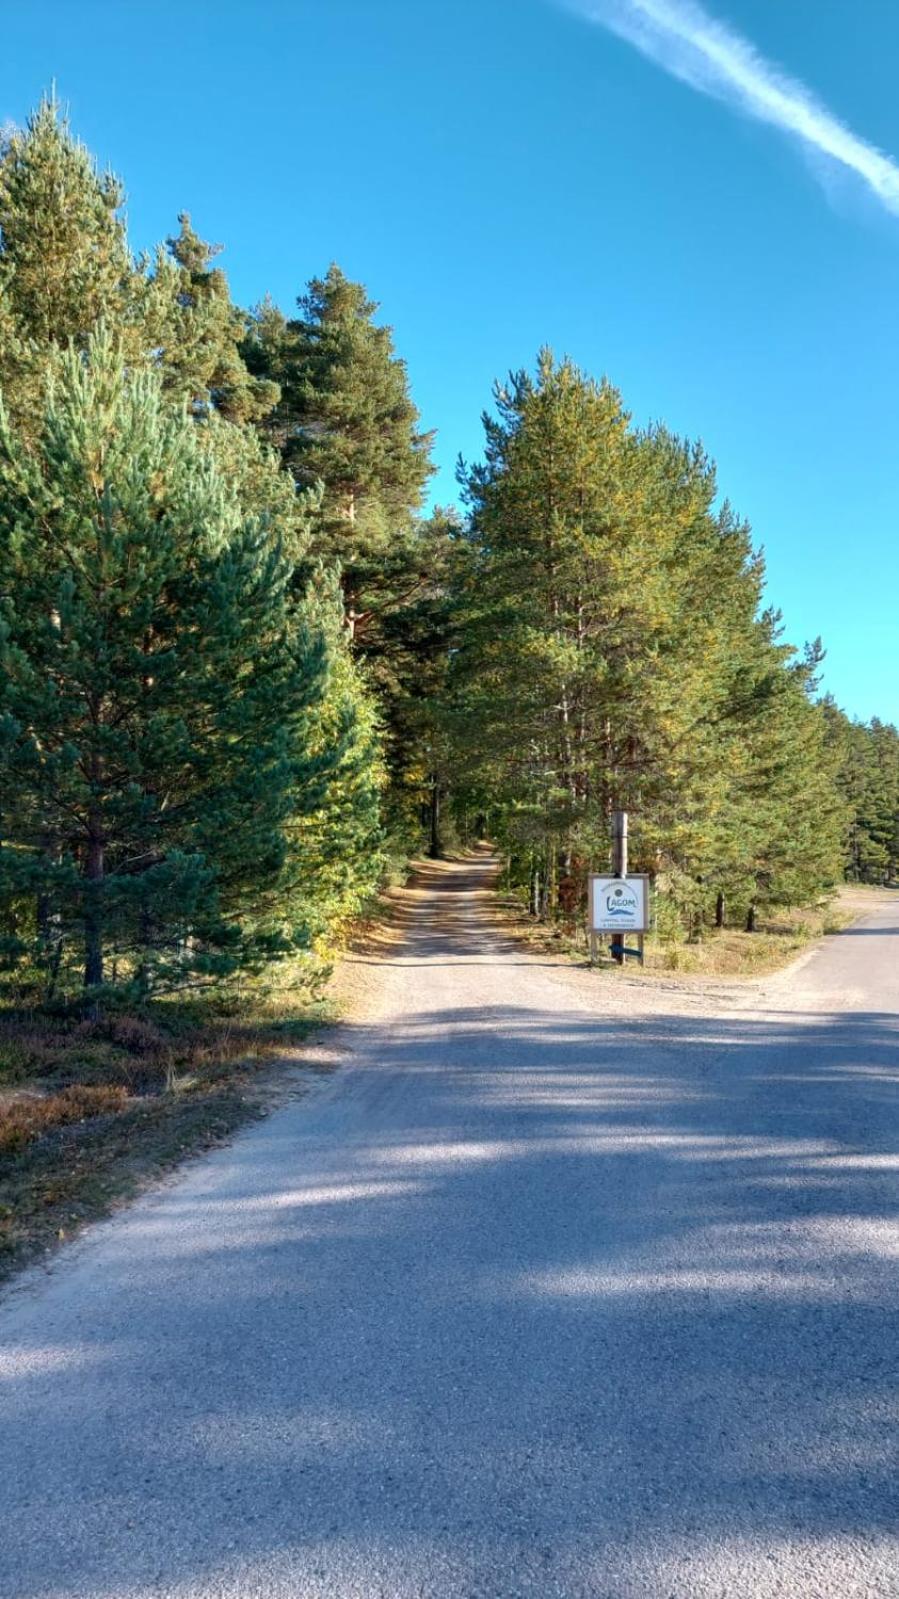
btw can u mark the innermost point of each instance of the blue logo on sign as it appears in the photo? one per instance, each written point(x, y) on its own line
point(617, 905)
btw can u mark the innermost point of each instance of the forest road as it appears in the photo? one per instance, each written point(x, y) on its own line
point(565, 1284)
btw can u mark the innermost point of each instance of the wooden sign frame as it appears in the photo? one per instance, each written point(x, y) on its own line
point(614, 931)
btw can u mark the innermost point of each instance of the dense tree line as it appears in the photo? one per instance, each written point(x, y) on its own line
point(615, 652)
point(240, 668)
point(867, 758)
point(190, 757)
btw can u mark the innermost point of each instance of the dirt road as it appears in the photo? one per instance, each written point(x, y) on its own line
point(562, 1285)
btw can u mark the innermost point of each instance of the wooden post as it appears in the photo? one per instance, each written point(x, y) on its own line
point(435, 847)
point(619, 843)
point(619, 868)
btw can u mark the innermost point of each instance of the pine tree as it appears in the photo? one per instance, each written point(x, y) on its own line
point(785, 819)
point(158, 685)
point(584, 624)
point(882, 822)
point(346, 420)
point(336, 851)
point(64, 259)
point(203, 332)
point(406, 660)
point(65, 268)
point(867, 763)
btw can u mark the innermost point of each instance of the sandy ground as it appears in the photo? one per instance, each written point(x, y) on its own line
point(563, 1284)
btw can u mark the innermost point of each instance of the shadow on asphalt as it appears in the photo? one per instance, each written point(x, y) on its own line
point(581, 1280)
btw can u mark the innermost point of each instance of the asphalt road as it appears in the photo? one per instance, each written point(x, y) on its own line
point(562, 1286)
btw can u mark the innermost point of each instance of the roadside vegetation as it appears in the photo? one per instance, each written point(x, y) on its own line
point(245, 675)
point(726, 952)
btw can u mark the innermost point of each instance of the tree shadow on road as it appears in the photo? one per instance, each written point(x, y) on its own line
point(602, 1301)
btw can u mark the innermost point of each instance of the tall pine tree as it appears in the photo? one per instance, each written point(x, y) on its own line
point(346, 420)
point(64, 258)
point(158, 686)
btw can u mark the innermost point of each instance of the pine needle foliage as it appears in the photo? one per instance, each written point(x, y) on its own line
point(157, 688)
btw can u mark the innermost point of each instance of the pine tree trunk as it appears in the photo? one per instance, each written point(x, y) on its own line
point(53, 969)
point(143, 967)
point(49, 927)
point(350, 614)
point(93, 920)
point(42, 917)
point(545, 888)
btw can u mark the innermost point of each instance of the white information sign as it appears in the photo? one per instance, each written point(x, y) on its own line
point(619, 904)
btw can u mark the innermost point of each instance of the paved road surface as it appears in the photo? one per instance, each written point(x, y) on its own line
point(565, 1286)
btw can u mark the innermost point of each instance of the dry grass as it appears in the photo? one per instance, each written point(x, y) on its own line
point(92, 1110)
point(28, 1116)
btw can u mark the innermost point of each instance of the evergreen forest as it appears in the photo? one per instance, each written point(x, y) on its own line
point(246, 673)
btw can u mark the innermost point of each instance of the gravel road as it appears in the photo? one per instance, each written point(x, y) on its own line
point(565, 1284)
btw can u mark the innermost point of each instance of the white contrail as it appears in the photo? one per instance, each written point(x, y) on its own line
point(692, 45)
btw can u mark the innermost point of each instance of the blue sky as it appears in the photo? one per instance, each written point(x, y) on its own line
point(508, 173)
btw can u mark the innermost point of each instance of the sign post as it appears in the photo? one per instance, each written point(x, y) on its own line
point(619, 867)
point(619, 904)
